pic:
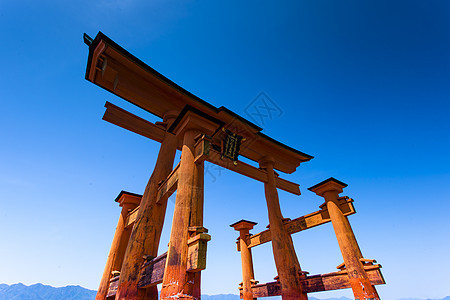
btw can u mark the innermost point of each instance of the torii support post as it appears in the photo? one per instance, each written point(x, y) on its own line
point(180, 279)
point(128, 201)
point(286, 261)
point(147, 229)
point(248, 274)
point(359, 281)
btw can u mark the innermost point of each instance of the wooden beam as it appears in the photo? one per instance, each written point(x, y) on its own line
point(131, 218)
point(113, 285)
point(152, 271)
point(302, 223)
point(166, 189)
point(204, 151)
point(168, 186)
point(319, 283)
point(127, 120)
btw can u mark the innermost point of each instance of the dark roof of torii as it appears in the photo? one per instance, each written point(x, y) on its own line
point(121, 73)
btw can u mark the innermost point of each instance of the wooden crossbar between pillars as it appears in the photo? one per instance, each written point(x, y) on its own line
point(335, 209)
point(318, 283)
point(129, 121)
point(204, 150)
point(302, 223)
point(165, 190)
point(152, 271)
point(168, 187)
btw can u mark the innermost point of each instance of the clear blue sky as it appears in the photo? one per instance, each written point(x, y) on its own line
point(362, 85)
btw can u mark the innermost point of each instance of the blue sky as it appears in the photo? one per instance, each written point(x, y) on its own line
point(362, 85)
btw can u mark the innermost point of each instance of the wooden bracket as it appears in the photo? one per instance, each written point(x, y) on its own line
point(152, 271)
point(197, 252)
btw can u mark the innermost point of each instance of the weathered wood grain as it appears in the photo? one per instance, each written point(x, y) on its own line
point(152, 272)
point(197, 252)
point(131, 218)
point(114, 283)
point(169, 186)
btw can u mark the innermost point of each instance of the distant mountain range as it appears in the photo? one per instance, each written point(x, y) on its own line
point(39, 291)
point(44, 292)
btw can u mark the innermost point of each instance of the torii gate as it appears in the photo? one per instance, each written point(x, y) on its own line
point(202, 132)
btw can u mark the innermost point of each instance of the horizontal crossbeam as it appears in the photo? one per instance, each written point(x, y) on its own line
point(168, 186)
point(113, 285)
point(319, 283)
point(204, 151)
point(131, 218)
point(127, 120)
point(165, 190)
point(302, 223)
point(153, 271)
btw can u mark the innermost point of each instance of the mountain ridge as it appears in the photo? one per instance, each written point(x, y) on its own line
point(39, 291)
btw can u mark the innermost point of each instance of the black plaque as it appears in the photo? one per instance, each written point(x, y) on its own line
point(231, 145)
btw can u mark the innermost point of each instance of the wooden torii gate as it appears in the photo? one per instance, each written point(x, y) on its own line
point(202, 132)
point(356, 272)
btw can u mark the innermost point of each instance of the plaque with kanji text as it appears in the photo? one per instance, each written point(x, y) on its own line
point(231, 145)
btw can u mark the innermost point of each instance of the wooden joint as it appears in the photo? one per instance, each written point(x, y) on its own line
point(148, 257)
point(341, 266)
point(367, 262)
point(199, 237)
point(303, 273)
point(131, 218)
point(202, 147)
point(194, 230)
point(115, 273)
point(152, 271)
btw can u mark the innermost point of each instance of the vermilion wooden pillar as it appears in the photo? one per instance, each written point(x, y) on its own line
point(196, 218)
point(286, 261)
point(147, 229)
point(248, 275)
point(128, 202)
point(178, 282)
point(359, 281)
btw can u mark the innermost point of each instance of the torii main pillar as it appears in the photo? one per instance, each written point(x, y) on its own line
point(359, 281)
point(182, 281)
point(146, 232)
point(286, 261)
